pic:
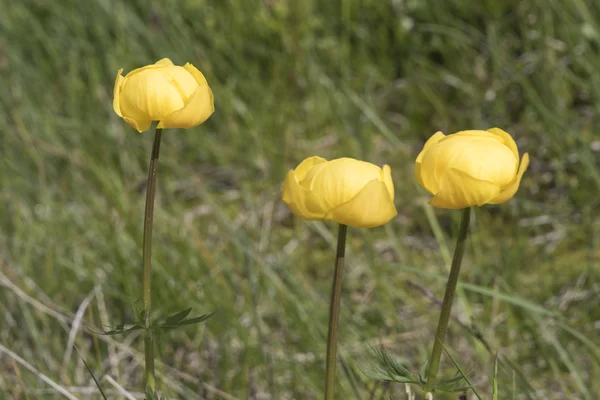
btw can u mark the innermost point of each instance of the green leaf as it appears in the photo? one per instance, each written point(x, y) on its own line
point(197, 320)
point(462, 375)
point(452, 381)
point(166, 326)
point(175, 318)
point(145, 316)
point(423, 373)
point(121, 329)
point(389, 369)
point(453, 389)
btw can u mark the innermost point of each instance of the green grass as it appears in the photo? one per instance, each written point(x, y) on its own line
point(370, 79)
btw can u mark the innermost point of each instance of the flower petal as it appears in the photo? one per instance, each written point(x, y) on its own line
point(306, 165)
point(117, 92)
point(507, 140)
point(371, 207)
point(185, 83)
point(197, 110)
point(431, 141)
point(478, 154)
point(510, 191)
point(460, 190)
point(475, 133)
point(195, 72)
point(302, 202)
point(150, 95)
point(386, 177)
point(141, 125)
point(165, 62)
point(430, 184)
point(340, 180)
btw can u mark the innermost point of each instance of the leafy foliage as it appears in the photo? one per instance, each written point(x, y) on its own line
point(179, 320)
point(171, 322)
point(391, 370)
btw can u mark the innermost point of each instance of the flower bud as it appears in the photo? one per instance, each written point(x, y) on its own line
point(344, 190)
point(470, 168)
point(176, 97)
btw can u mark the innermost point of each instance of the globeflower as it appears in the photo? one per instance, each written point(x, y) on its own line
point(345, 190)
point(470, 168)
point(350, 192)
point(175, 96)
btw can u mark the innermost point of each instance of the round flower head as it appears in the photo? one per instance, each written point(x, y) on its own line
point(345, 190)
point(470, 168)
point(177, 97)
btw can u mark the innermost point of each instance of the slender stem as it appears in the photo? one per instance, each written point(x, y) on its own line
point(149, 377)
point(334, 312)
point(436, 353)
point(149, 374)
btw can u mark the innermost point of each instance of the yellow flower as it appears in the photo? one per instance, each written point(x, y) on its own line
point(177, 97)
point(470, 168)
point(344, 190)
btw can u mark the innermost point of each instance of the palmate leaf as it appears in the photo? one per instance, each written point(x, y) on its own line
point(179, 319)
point(382, 375)
point(454, 389)
point(451, 385)
point(162, 324)
point(453, 381)
point(456, 384)
point(144, 316)
point(423, 373)
point(123, 329)
point(389, 363)
point(389, 369)
point(197, 320)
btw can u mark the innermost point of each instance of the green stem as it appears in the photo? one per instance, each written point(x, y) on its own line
point(436, 353)
point(149, 376)
point(334, 312)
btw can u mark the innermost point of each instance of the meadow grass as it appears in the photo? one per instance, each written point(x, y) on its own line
point(370, 79)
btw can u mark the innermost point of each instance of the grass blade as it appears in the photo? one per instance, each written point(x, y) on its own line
point(91, 373)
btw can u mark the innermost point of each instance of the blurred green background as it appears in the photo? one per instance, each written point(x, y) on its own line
point(370, 79)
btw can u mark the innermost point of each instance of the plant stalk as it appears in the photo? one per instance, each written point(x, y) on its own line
point(436, 353)
point(334, 312)
point(149, 375)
